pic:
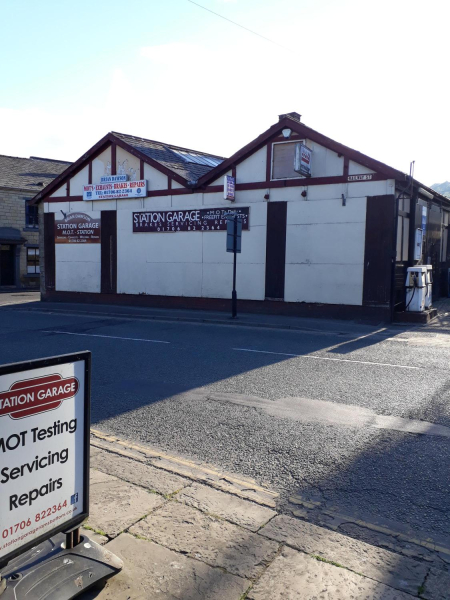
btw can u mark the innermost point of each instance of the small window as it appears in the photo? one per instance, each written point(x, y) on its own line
point(33, 261)
point(31, 215)
point(283, 157)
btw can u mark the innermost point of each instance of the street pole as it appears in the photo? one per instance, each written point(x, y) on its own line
point(233, 294)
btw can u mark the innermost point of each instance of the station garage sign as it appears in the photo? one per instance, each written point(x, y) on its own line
point(171, 221)
point(44, 450)
point(77, 228)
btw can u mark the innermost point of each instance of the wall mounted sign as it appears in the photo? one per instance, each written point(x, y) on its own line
point(77, 228)
point(366, 177)
point(229, 188)
point(115, 189)
point(168, 221)
point(44, 449)
point(302, 160)
point(113, 178)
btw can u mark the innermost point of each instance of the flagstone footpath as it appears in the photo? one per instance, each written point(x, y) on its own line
point(188, 532)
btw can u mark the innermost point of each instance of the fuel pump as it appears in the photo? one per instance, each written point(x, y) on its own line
point(416, 288)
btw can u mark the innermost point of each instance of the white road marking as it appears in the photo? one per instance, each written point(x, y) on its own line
point(113, 337)
point(360, 362)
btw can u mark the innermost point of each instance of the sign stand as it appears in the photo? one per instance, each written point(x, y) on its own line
point(44, 490)
point(234, 243)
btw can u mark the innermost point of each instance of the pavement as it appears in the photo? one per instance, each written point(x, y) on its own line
point(187, 532)
point(346, 424)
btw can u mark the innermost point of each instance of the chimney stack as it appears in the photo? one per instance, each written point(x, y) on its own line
point(292, 115)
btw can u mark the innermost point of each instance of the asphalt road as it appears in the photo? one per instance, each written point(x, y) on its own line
point(353, 426)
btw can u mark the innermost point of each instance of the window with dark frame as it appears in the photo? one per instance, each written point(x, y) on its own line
point(33, 261)
point(31, 215)
point(283, 155)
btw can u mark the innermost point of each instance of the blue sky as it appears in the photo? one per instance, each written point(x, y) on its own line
point(372, 75)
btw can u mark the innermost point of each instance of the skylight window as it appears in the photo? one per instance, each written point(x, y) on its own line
point(199, 159)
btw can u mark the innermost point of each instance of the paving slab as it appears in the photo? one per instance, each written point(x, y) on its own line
point(115, 505)
point(437, 586)
point(241, 512)
point(296, 576)
point(137, 472)
point(214, 541)
point(153, 572)
point(387, 567)
point(93, 535)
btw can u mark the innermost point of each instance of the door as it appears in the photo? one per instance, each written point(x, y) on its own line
point(108, 252)
point(276, 250)
point(7, 264)
point(379, 253)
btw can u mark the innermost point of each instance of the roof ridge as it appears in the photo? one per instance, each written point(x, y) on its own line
point(35, 158)
point(170, 146)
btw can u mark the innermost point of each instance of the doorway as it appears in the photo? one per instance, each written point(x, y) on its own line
point(7, 264)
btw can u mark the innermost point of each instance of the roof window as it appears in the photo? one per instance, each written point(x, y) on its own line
point(199, 159)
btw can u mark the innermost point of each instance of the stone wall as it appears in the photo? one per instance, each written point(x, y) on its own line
point(12, 214)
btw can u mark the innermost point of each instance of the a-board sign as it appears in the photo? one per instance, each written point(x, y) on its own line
point(44, 450)
point(77, 228)
point(171, 221)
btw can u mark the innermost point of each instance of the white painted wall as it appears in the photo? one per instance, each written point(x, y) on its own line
point(155, 179)
point(62, 191)
point(101, 165)
point(193, 264)
point(78, 265)
point(252, 168)
point(324, 162)
point(78, 181)
point(357, 169)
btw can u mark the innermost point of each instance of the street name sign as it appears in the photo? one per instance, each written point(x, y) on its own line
point(44, 450)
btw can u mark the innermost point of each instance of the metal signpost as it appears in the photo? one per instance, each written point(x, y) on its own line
point(234, 242)
point(44, 481)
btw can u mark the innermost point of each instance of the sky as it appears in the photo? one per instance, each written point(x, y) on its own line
point(370, 74)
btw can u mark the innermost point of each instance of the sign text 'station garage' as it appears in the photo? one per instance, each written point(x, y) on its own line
point(170, 221)
point(42, 452)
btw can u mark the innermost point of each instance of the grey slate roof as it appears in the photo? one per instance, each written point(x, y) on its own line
point(29, 173)
point(163, 154)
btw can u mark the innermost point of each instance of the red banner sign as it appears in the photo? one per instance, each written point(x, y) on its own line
point(33, 396)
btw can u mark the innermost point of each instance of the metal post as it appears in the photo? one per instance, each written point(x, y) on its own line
point(234, 295)
point(76, 537)
point(69, 540)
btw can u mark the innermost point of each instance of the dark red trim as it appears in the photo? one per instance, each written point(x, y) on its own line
point(346, 164)
point(68, 188)
point(113, 159)
point(233, 172)
point(169, 183)
point(73, 169)
point(90, 172)
point(141, 169)
point(300, 309)
point(269, 162)
point(259, 185)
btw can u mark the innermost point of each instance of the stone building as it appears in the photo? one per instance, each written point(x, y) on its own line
point(20, 180)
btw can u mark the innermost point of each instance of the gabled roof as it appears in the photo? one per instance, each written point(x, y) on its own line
point(168, 156)
point(173, 161)
point(310, 134)
point(29, 173)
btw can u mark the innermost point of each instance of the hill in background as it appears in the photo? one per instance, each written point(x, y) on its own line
point(442, 188)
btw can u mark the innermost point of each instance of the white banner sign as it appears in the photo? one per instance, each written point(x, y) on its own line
point(113, 190)
point(43, 459)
